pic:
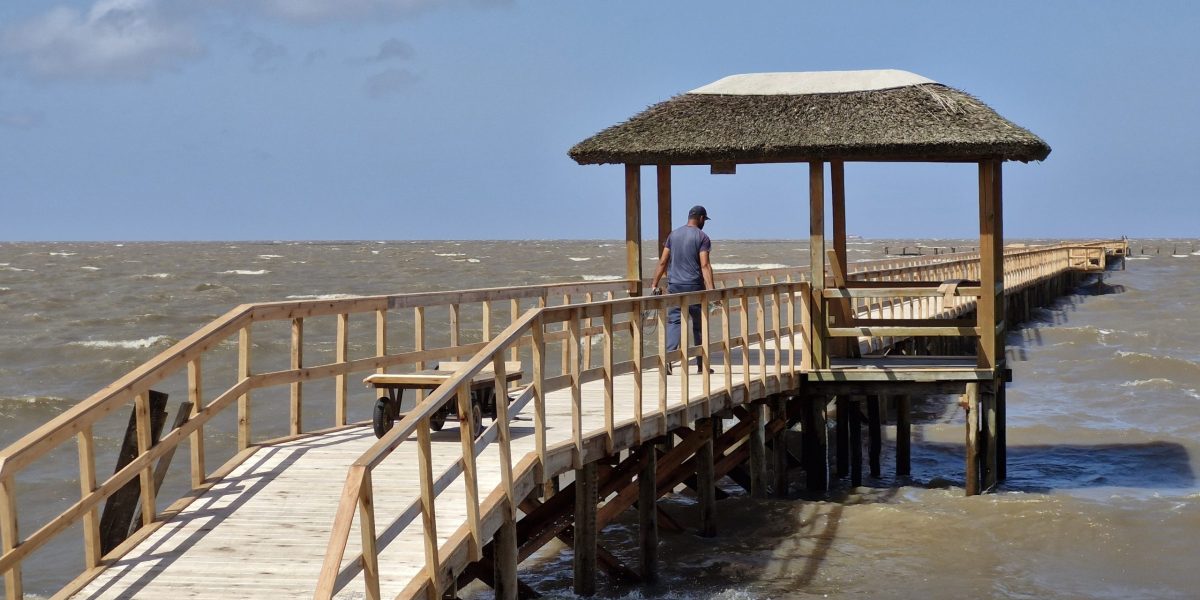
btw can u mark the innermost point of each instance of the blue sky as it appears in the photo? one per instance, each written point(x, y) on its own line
point(436, 119)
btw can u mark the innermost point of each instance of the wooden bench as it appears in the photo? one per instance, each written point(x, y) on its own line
point(483, 400)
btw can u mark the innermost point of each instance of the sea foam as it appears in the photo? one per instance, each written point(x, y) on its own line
point(122, 344)
point(602, 277)
point(244, 272)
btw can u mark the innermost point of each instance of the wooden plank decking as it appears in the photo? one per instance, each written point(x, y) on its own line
point(262, 531)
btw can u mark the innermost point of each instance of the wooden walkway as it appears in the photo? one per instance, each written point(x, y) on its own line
point(262, 531)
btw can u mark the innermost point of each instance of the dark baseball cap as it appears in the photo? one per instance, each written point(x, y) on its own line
point(698, 211)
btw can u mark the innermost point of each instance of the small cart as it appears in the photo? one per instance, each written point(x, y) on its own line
point(391, 388)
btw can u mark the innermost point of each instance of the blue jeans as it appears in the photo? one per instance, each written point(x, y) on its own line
point(673, 319)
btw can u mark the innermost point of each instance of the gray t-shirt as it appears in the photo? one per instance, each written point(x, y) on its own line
point(686, 244)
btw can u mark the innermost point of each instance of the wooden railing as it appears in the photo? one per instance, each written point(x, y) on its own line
point(193, 355)
point(765, 316)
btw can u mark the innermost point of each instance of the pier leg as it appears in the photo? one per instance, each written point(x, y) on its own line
point(585, 530)
point(779, 449)
point(816, 444)
point(706, 480)
point(903, 435)
point(758, 452)
point(842, 436)
point(972, 442)
point(874, 434)
point(648, 513)
point(989, 440)
point(855, 443)
point(507, 558)
point(1001, 434)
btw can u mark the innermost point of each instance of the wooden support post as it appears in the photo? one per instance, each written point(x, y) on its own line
point(507, 558)
point(816, 445)
point(706, 480)
point(758, 452)
point(990, 307)
point(368, 534)
point(648, 513)
point(1001, 431)
point(779, 448)
point(972, 442)
point(428, 508)
point(816, 253)
point(467, 428)
point(874, 434)
point(855, 442)
point(988, 423)
point(585, 529)
point(903, 435)
point(633, 226)
point(664, 205)
point(842, 436)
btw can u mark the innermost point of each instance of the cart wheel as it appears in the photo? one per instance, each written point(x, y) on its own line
point(381, 417)
point(476, 420)
point(437, 421)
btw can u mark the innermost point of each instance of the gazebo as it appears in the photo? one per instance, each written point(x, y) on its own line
point(833, 118)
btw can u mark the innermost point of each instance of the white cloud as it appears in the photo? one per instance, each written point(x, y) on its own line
point(390, 81)
point(113, 40)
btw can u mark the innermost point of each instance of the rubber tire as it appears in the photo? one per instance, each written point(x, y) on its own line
point(381, 417)
point(437, 421)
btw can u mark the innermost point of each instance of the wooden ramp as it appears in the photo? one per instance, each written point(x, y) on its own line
point(262, 531)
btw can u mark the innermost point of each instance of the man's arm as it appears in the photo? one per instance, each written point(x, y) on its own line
point(706, 271)
point(661, 269)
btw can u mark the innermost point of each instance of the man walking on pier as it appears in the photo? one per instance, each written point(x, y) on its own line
point(686, 264)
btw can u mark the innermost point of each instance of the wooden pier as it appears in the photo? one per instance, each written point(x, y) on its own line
point(329, 511)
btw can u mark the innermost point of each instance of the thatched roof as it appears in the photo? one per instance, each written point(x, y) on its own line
point(799, 117)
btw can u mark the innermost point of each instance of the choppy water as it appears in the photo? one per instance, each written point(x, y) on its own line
point(1104, 429)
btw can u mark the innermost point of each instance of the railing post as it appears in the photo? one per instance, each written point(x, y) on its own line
point(503, 435)
point(486, 320)
point(466, 426)
point(609, 418)
point(539, 392)
point(704, 361)
point(636, 348)
point(244, 427)
point(10, 538)
point(726, 345)
point(576, 387)
point(341, 353)
point(419, 342)
point(297, 387)
point(366, 524)
point(685, 335)
point(663, 361)
point(381, 336)
point(428, 509)
point(87, 485)
point(141, 409)
point(196, 443)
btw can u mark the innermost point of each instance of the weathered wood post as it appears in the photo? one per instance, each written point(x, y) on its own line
point(903, 435)
point(706, 480)
point(648, 512)
point(779, 448)
point(874, 434)
point(758, 452)
point(586, 491)
point(633, 226)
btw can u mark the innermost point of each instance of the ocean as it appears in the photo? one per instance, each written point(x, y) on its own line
point(1101, 499)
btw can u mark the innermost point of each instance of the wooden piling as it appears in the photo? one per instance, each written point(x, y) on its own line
point(507, 559)
point(758, 453)
point(648, 513)
point(706, 480)
point(586, 533)
point(842, 436)
point(874, 434)
point(779, 448)
point(816, 444)
point(903, 435)
point(855, 424)
point(972, 442)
